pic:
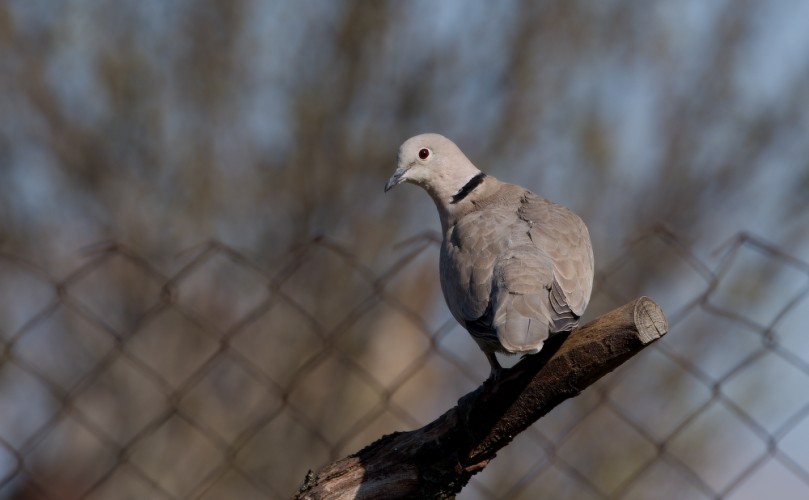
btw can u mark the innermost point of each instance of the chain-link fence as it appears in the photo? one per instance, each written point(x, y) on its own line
point(214, 377)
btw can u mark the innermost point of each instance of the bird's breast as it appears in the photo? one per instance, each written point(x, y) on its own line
point(469, 252)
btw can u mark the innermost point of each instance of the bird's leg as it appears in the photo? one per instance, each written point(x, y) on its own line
point(497, 370)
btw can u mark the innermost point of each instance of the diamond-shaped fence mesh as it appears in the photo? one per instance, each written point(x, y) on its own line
point(222, 379)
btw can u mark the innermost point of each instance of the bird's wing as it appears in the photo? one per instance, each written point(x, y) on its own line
point(562, 236)
point(520, 300)
point(496, 280)
point(468, 255)
point(542, 282)
point(520, 269)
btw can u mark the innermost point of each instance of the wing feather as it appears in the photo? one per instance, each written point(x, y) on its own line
point(517, 271)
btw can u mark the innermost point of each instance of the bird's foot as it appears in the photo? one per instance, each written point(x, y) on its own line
point(497, 371)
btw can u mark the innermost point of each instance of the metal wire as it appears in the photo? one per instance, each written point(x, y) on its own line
point(223, 379)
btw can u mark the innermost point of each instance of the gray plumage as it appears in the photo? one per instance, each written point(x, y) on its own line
point(515, 267)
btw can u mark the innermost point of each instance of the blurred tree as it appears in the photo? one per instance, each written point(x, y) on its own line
point(261, 124)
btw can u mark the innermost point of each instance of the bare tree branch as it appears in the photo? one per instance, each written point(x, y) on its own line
point(437, 460)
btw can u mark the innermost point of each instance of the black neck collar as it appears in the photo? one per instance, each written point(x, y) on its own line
point(468, 188)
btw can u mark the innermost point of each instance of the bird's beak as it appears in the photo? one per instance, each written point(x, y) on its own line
point(397, 178)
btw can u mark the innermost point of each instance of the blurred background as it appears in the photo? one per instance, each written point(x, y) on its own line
point(204, 292)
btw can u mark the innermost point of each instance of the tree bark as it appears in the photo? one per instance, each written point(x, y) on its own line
point(437, 460)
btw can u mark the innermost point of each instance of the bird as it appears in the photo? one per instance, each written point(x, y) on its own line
point(515, 268)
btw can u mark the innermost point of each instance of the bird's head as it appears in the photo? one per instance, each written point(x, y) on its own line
point(435, 163)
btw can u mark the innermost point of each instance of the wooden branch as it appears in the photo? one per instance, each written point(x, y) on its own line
point(437, 460)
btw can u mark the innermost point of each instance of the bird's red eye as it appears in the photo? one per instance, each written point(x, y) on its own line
point(424, 153)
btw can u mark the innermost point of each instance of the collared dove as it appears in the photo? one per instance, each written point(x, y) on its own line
point(515, 268)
